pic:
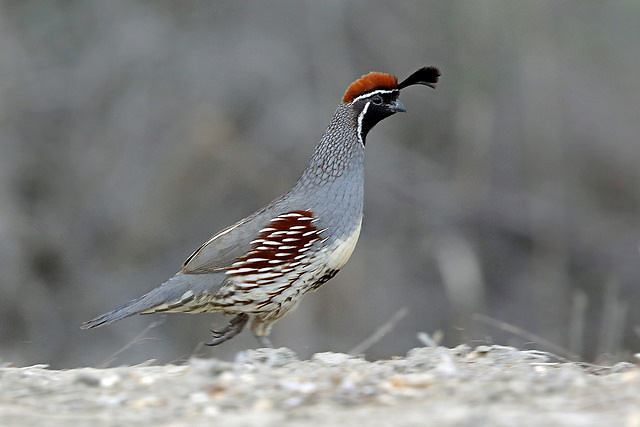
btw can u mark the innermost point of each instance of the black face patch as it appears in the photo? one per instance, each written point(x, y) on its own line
point(372, 108)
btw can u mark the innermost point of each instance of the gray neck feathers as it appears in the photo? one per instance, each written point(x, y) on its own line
point(339, 157)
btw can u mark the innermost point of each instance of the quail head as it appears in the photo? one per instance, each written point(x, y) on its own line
point(261, 266)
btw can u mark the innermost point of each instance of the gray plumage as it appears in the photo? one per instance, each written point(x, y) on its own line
point(261, 266)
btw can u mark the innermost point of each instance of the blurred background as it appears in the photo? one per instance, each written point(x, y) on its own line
point(502, 208)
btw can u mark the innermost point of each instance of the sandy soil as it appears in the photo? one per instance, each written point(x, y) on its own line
point(486, 386)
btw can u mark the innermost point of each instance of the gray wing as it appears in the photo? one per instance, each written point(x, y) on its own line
point(220, 251)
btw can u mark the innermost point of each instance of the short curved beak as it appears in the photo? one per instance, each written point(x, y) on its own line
point(397, 107)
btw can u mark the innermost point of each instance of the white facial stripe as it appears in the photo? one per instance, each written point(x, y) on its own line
point(366, 95)
point(360, 117)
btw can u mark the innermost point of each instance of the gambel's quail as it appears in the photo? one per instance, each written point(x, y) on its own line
point(261, 266)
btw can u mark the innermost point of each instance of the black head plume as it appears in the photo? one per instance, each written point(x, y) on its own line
point(427, 76)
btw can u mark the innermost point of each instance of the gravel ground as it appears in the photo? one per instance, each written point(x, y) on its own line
point(431, 386)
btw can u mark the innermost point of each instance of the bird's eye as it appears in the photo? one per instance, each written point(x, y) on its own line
point(377, 100)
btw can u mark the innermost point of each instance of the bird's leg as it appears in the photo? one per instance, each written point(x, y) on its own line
point(261, 328)
point(232, 329)
point(264, 341)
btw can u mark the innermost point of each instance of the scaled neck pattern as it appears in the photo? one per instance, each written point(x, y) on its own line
point(339, 155)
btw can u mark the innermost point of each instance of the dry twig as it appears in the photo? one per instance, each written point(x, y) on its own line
point(379, 333)
point(138, 338)
point(526, 334)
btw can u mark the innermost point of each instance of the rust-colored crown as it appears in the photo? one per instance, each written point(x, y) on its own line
point(369, 82)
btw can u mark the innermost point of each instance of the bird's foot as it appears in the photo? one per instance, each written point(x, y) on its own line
point(233, 328)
